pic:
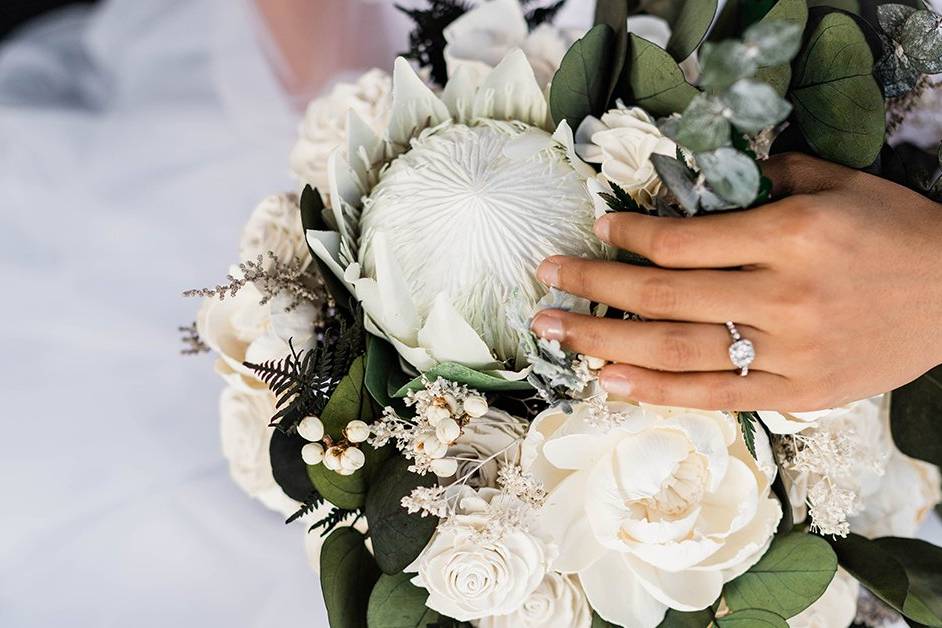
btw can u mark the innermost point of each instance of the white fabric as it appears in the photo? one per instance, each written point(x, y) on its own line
point(134, 141)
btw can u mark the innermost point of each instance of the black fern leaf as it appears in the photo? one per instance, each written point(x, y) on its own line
point(312, 503)
point(542, 15)
point(620, 201)
point(303, 381)
point(427, 40)
point(748, 421)
point(333, 519)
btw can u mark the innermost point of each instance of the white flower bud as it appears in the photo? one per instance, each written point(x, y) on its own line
point(444, 467)
point(594, 364)
point(448, 431)
point(436, 414)
point(311, 429)
point(357, 431)
point(312, 453)
point(352, 459)
point(431, 446)
point(475, 406)
point(332, 458)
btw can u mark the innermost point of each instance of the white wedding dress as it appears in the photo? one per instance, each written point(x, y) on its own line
point(134, 140)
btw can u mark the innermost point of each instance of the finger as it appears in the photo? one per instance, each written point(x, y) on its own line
point(701, 296)
point(705, 391)
point(663, 346)
point(797, 173)
point(716, 241)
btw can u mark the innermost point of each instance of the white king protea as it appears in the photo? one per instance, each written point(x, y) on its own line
point(440, 223)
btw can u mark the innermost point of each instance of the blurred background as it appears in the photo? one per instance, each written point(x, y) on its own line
point(136, 136)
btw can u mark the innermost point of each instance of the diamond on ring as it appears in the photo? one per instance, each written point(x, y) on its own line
point(742, 353)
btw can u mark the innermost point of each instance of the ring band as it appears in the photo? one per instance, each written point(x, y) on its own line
point(742, 353)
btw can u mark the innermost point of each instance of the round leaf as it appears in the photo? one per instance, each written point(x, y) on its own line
point(348, 491)
point(752, 618)
point(922, 562)
point(838, 104)
point(679, 180)
point(655, 81)
point(702, 127)
point(690, 27)
point(731, 174)
point(916, 409)
point(397, 603)
point(348, 574)
point(287, 467)
point(679, 619)
point(892, 17)
point(350, 401)
point(581, 85)
point(921, 38)
point(794, 573)
point(777, 41)
point(725, 63)
point(755, 106)
point(792, 12)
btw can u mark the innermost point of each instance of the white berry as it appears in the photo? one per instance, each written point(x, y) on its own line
point(352, 459)
point(475, 406)
point(448, 431)
point(357, 431)
point(312, 453)
point(444, 467)
point(432, 447)
point(436, 414)
point(332, 458)
point(311, 429)
point(594, 364)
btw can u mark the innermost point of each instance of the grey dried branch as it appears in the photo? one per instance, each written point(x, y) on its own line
point(898, 109)
point(192, 343)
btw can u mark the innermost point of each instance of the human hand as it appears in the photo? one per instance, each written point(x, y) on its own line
point(837, 285)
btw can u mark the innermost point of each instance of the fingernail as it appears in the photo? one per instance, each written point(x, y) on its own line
point(616, 384)
point(602, 228)
point(548, 325)
point(548, 273)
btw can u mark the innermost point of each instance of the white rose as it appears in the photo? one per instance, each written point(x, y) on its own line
point(470, 575)
point(325, 124)
point(246, 435)
point(669, 504)
point(558, 601)
point(239, 329)
point(493, 437)
point(837, 608)
point(482, 37)
point(275, 226)
point(623, 142)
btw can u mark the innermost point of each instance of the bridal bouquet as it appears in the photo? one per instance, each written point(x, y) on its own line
point(385, 388)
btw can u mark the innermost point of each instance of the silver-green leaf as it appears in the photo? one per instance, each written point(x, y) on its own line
point(754, 106)
point(892, 17)
point(774, 41)
point(731, 174)
point(725, 63)
point(921, 38)
point(703, 127)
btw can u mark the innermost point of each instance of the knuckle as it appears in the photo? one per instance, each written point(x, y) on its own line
point(667, 240)
point(573, 275)
point(658, 298)
point(724, 396)
point(676, 351)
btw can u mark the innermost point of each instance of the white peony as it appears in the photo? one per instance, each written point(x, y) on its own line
point(668, 504)
point(246, 435)
point(275, 226)
point(623, 142)
point(837, 608)
point(486, 443)
point(469, 572)
point(239, 329)
point(558, 601)
point(482, 37)
point(324, 128)
point(445, 219)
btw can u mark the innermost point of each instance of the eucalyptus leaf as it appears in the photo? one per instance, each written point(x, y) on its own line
point(752, 618)
point(789, 578)
point(383, 374)
point(690, 27)
point(892, 17)
point(838, 104)
point(702, 127)
point(895, 73)
point(921, 38)
point(851, 6)
point(397, 603)
point(755, 106)
point(915, 410)
point(461, 374)
point(679, 180)
point(775, 41)
point(732, 175)
point(398, 536)
point(922, 562)
point(655, 81)
point(725, 63)
point(795, 13)
point(598, 622)
point(348, 575)
point(349, 402)
point(615, 13)
point(287, 466)
point(679, 619)
point(348, 491)
point(582, 84)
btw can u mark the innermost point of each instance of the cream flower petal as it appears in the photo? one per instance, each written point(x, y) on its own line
point(415, 107)
point(511, 92)
point(685, 591)
point(618, 596)
point(744, 548)
point(676, 556)
point(708, 439)
point(585, 148)
point(564, 136)
point(733, 504)
point(577, 546)
point(450, 338)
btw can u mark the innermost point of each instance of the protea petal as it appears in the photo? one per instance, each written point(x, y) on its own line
point(487, 31)
point(450, 338)
point(511, 92)
point(459, 93)
point(415, 107)
point(364, 148)
point(326, 246)
point(400, 318)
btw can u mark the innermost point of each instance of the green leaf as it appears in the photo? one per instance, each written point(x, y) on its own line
point(915, 410)
point(777, 41)
point(348, 574)
point(748, 422)
point(312, 218)
point(755, 106)
point(794, 573)
point(655, 81)
point(901, 572)
point(614, 13)
point(679, 180)
point(398, 537)
point(794, 12)
point(725, 63)
point(348, 491)
point(690, 27)
point(598, 622)
point(350, 401)
point(892, 17)
point(922, 40)
point(851, 6)
point(702, 127)
point(461, 374)
point(397, 603)
point(581, 85)
point(731, 174)
point(383, 373)
point(752, 618)
point(287, 467)
point(838, 104)
point(678, 619)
